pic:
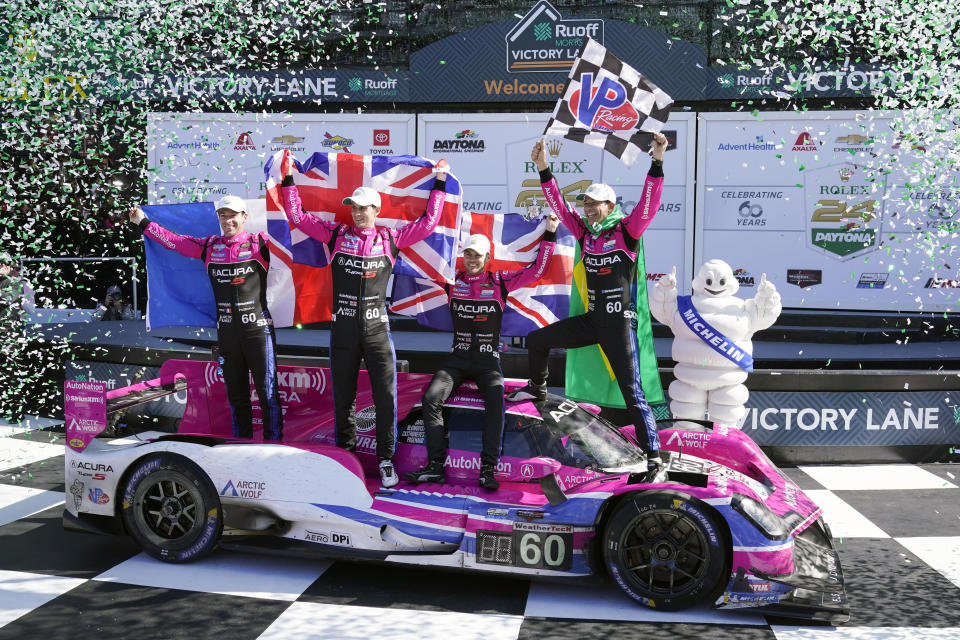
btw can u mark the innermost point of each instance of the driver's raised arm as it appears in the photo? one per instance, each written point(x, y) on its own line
point(642, 215)
point(187, 246)
point(551, 191)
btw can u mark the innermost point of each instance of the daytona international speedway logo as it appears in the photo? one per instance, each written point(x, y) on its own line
point(843, 210)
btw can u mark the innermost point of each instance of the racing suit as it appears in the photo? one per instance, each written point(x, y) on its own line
point(237, 267)
point(362, 261)
point(476, 305)
point(610, 263)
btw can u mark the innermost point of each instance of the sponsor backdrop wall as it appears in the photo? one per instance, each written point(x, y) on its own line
point(204, 156)
point(490, 153)
point(837, 208)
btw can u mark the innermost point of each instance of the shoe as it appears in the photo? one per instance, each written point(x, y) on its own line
point(487, 481)
point(655, 469)
point(536, 392)
point(433, 472)
point(388, 477)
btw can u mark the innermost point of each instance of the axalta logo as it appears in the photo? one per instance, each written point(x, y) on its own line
point(337, 142)
point(805, 142)
point(467, 140)
point(542, 41)
point(245, 142)
point(603, 107)
point(231, 272)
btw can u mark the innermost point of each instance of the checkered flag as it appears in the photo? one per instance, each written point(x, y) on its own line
point(609, 104)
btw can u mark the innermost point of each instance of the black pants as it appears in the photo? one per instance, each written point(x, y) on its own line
point(485, 371)
point(347, 347)
point(245, 354)
point(619, 344)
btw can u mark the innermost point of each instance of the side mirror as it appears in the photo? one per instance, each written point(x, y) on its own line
point(532, 469)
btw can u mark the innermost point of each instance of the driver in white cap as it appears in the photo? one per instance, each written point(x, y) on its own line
point(477, 300)
point(362, 258)
point(237, 264)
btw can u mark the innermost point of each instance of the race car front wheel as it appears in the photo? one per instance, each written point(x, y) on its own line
point(171, 508)
point(665, 550)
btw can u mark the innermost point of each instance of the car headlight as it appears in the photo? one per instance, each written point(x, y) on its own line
point(769, 523)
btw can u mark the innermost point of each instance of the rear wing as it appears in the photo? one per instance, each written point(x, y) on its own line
point(87, 404)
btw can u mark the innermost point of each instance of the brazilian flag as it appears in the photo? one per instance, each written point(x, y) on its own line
point(588, 375)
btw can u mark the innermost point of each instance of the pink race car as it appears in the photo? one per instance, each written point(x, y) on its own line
point(724, 527)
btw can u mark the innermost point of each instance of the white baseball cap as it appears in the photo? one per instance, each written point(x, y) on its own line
point(479, 243)
point(231, 202)
point(599, 192)
point(364, 196)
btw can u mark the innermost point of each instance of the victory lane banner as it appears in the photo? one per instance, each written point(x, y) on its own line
point(853, 418)
point(609, 104)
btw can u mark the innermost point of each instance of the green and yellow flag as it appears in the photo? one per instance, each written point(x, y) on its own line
point(588, 374)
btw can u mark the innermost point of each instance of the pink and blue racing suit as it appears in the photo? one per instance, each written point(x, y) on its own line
point(476, 305)
point(362, 261)
point(237, 268)
point(610, 263)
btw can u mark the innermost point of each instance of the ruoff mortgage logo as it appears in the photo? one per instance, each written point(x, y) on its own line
point(544, 42)
point(369, 87)
point(844, 210)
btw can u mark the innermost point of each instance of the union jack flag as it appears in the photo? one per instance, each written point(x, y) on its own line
point(324, 180)
point(515, 242)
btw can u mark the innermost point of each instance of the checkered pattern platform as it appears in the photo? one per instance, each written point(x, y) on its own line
point(897, 529)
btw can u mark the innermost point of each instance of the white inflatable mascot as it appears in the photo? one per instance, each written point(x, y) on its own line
point(711, 344)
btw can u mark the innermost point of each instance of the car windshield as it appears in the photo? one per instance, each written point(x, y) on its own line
point(582, 439)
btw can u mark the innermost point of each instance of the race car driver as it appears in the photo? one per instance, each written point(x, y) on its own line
point(237, 264)
point(362, 258)
point(610, 241)
point(477, 300)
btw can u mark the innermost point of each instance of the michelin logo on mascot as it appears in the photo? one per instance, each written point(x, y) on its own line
point(712, 345)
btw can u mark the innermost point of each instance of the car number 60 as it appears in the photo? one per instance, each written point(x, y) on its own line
point(549, 551)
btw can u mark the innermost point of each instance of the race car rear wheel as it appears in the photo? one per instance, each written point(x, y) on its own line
point(665, 550)
point(171, 508)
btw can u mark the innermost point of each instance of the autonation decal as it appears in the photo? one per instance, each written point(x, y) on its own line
point(853, 418)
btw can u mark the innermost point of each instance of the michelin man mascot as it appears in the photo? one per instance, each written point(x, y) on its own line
point(711, 344)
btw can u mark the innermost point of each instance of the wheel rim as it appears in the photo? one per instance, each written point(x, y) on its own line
point(169, 507)
point(664, 553)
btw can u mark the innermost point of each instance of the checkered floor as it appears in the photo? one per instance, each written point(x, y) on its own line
point(898, 530)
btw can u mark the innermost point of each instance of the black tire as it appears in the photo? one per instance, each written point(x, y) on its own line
point(171, 508)
point(681, 536)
